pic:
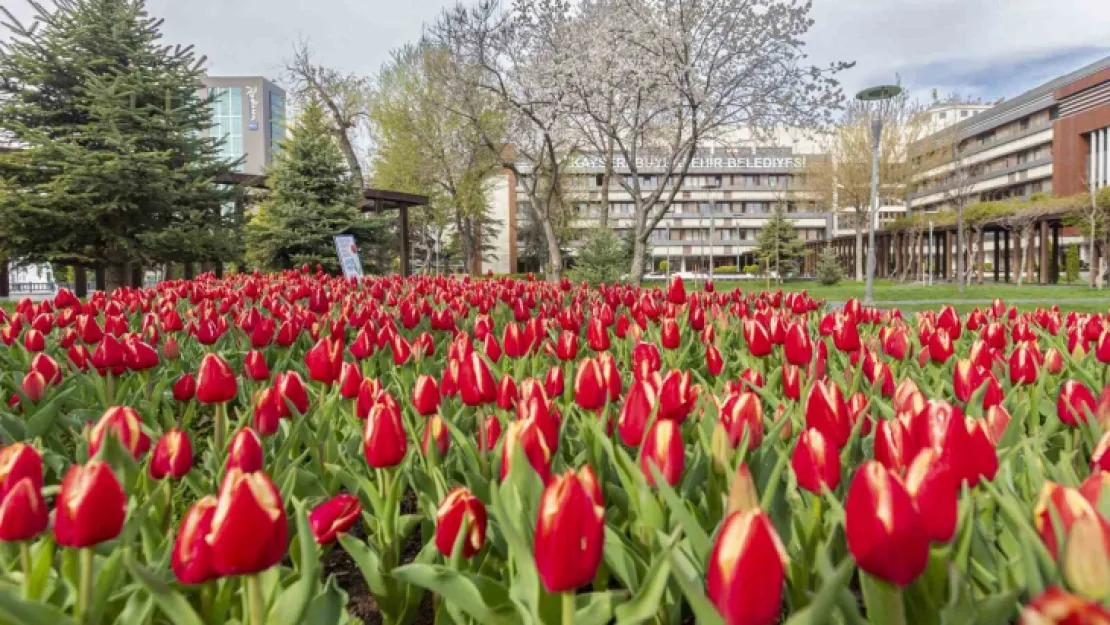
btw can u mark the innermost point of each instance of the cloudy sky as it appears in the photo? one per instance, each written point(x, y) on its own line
point(978, 48)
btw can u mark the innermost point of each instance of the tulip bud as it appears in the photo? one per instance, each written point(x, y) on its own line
point(1086, 557)
point(1023, 365)
point(245, 452)
point(436, 431)
point(192, 555)
point(1053, 361)
point(126, 425)
point(489, 434)
point(670, 337)
point(91, 506)
point(216, 383)
point(676, 291)
point(746, 570)
point(292, 390)
point(350, 380)
point(589, 385)
point(635, 412)
point(757, 337)
point(527, 435)
point(23, 512)
point(383, 440)
point(570, 531)
point(740, 413)
point(827, 411)
point(185, 388)
point(742, 495)
point(333, 517)
point(173, 456)
point(1057, 607)
point(797, 346)
point(815, 462)
point(324, 361)
point(663, 448)
point(935, 494)
point(884, 535)
point(554, 384)
point(425, 395)
point(677, 396)
point(458, 507)
point(476, 384)
point(249, 530)
point(714, 364)
point(506, 392)
point(1074, 403)
point(19, 461)
point(33, 386)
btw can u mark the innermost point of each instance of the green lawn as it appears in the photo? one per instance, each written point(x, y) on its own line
point(888, 291)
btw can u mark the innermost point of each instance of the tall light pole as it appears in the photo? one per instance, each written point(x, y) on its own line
point(876, 98)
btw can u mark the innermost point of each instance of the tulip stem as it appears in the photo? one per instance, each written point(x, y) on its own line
point(254, 597)
point(218, 426)
point(25, 562)
point(568, 607)
point(84, 583)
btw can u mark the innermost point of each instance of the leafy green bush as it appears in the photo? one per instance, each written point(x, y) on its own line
point(751, 270)
point(828, 269)
point(602, 259)
point(725, 269)
point(1071, 264)
point(663, 266)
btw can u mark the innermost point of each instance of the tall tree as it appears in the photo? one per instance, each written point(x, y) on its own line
point(423, 146)
point(344, 98)
point(113, 164)
point(677, 76)
point(778, 245)
point(502, 56)
point(313, 199)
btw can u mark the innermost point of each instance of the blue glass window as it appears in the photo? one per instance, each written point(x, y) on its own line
point(227, 122)
point(277, 121)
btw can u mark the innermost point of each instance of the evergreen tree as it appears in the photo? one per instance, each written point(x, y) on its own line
point(114, 163)
point(602, 258)
point(779, 248)
point(313, 199)
point(828, 268)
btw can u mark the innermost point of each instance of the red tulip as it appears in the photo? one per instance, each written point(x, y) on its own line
point(245, 452)
point(635, 411)
point(458, 507)
point(1058, 607)
point(746, 570)
point(1100, 458)
point(663, 448)
point(896, 344)
point(610, 375)
point(589, 385)
point(173, 456)
point(333, 517)
point(425, 395)
point(566, 348)
point(139, 356)
point(597, 335)
point(940, 346)
point(1053, 361)
point(757, 338)
point(1074, 403)
point(554, 384)
point(714, 364)
point(935, 494)
point(797, 346)
point(91, 506)
point(528, 436)
point(255, 367)
point(506, 392)
point(33, 386)
point(570, 531)
point(383, 440)
point(670, 337)
point(192, 555)
point(325, 361)
point(743, 412)
point(489, 434)
point(846, 334)
point(249, 531)
point(216, 383)
point(815, 462)
point(266, 412)
point(677, 396)
point(108, 355)
point(34, 341)
point(292, 389)
point(17, 462)
point(827, 411)
point(1023, 365)
point(126, 425)
point(185, 388)
point(882, 527)
point(48, 367)
point(23, 511)
point(436, 431)
point(476, 384)
point(676, 291)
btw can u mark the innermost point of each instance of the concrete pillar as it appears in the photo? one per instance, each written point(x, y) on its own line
point(1058, 257)
point(982, 254)
point(1018, 266)
point(5, 278)
point(1008, 255)
point(403, 234)
point(997, 251)
point(947, 254)
point(1043, 269)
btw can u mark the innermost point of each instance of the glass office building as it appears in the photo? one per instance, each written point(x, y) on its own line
point(248, 116)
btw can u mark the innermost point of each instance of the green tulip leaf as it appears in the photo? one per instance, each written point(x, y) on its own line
point(479, 597)
point(18, 611)
point(292, 603)
point(172, 603)
point(649, 597)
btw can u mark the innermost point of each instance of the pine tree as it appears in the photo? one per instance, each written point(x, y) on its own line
point(313, 199)
point(113, 163)
point(778, 246)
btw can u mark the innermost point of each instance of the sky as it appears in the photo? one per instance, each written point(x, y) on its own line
point(984, 49)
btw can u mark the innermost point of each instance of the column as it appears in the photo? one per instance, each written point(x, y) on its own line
point(101, 278)
point(982, 253)
point(5, 278)
point(404, 236)
point(1007, 256)
point(947, 254)
point(136, 276)
point(80, 281)
point(1018, 266)
point(1043, 269)
point(1054, 266)
point(997, 249)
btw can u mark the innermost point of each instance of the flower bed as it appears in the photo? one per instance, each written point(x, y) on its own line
point(530, 452)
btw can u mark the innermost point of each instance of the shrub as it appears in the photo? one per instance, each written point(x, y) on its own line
point(828, 269)
point(663, 266)
point(725, 269)
point(751, 270)
point(602, 258)
point(1071, 264)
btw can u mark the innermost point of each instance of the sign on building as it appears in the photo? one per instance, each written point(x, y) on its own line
point(347, 251)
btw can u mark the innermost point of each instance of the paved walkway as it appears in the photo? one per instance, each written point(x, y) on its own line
point(984, 302)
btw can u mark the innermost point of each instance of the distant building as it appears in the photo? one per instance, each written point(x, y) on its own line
point(248, 113)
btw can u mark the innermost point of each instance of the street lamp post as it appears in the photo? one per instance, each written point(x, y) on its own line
point(879, 95)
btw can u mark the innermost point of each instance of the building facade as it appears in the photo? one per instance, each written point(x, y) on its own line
point(248, 114)
point(1051, 139)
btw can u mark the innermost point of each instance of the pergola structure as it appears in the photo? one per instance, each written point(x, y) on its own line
point(373, 200)
point(911, 254)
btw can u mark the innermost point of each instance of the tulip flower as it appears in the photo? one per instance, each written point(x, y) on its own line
point(610, 375)
point(797, 346)
point(245, 452)
point(1086, 556)
point(846, 334)
point(126, 425)
point(1057, 607)
point(566, 348)
point(743, 412)
point(172, 457)
point(325, 361)
point(757, 337)
point(489, 434)
point(1056, 512)
point(935, 494)
point(17, 462)
point(476, 384)
point(333, 517)
point(23, 511)
point(742, 495)
point(435, 431)
point(827, 411)
point(896, 344)
point(90, 507)
point(383, 440)
point(292, 389)
point(746, 570)
point(216, 383)
point(670, 336)
point(33, 386)
point(589, 385)
point(714, 364)
point(882, 527)
point(554, 384)
point(676, 291)
point(597, 335)
point(663, 448)
point(255, 367)
point(506, 392)
point(458, 507)
point(815, 462)
point(192, 555)
point(48, 368)
point(1100, 457)
point(1023, 365)
point(570, 531)
point(646, 356)
point(527, 435)
point(185, 388)
point(1074, 403)
point(249, 531)
point(635, 411)
point(677, 396)
point(425, 395)
point(1053, 361)
point(941, 347)
point(894, 446)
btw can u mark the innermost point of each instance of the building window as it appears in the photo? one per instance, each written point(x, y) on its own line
point(227, 122)
point(964, 113)
point(277, 121)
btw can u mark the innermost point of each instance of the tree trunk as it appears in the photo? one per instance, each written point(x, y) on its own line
point(351, 157)
point(1023, 259)
point(554, 254)
point(1091, 253)
point(605, 178)
point(960, 248)
point(115, 277)
point(636, 272)
point(859, 254)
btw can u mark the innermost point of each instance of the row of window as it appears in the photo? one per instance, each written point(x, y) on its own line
point(724, 235)
point(626, 209)
point(743, 181)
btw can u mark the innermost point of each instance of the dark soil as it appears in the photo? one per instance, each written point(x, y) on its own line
point(360, 603)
